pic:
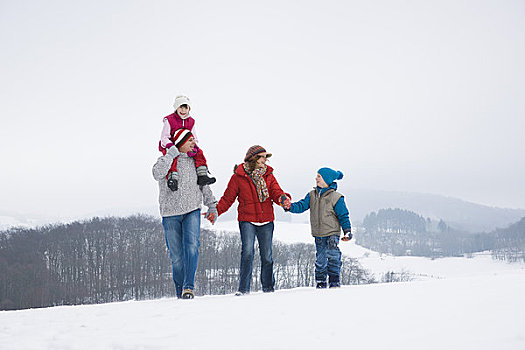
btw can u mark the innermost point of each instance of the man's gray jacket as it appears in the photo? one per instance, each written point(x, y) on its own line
point(189, 196)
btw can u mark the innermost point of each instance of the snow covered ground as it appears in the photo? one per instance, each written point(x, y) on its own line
point(482, 312)
point(460, 303)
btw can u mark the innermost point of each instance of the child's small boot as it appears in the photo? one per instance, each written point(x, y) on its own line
point(173, 181)
point(202, 176)
point(320, 285)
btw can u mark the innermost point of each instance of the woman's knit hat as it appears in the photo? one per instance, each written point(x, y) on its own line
point(181, 136)
point(181, 100)
point(256, 150)
point(330, 175)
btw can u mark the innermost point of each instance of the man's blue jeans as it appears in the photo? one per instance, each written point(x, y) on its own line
point(182, 238)
point(328, 259)
point(264, 236)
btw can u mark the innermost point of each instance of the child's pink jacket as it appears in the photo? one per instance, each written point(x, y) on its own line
point(172, 123)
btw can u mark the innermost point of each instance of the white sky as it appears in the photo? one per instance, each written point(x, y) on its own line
point(399, 95)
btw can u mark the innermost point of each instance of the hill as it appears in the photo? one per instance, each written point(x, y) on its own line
point(460, 214)
point(449, 303)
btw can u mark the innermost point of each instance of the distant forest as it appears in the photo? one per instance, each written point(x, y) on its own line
point(115, 259)
point(403, 232)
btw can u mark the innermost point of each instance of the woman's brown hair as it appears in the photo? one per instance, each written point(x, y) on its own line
point(252, 163)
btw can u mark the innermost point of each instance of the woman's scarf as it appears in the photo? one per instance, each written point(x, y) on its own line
point(257, 177)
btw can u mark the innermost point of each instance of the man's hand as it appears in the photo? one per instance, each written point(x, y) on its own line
point(173, 151)
point(212, 214)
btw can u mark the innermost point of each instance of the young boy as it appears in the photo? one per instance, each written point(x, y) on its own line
point(328, 214)
point(174, 126)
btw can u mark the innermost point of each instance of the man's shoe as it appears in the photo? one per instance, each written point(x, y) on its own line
point(335, 285)
point(239, 293)
point(187, 294)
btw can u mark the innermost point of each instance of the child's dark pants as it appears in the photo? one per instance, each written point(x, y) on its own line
point(328, 259)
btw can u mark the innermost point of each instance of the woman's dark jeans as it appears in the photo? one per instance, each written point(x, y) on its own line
point(264, 236)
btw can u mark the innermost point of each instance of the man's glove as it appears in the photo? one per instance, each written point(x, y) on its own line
point(347, 235)
point(173, 151)
point(212, 214)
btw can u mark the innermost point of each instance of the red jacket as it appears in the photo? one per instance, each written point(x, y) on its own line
point(242, 188)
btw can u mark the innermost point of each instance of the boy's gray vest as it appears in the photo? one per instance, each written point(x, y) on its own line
point(323, 219)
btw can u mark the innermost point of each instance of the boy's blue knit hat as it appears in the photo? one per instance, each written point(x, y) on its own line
point(330, 175)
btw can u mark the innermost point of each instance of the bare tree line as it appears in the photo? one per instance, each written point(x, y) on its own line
point(115, 259)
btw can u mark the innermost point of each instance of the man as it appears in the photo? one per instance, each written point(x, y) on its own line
point(181, 212)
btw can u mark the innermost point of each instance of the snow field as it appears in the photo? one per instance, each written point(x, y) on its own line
point(482, 312)
point(455, 303)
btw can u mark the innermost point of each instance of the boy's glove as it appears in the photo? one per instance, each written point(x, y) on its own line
point(212, 214)
point(347, 235)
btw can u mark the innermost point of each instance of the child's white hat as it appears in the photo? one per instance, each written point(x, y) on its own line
point(181, 100)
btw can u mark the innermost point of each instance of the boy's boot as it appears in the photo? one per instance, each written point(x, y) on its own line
point(333, 281)
point(202, 176)
point(173, 181)
point(320, 285)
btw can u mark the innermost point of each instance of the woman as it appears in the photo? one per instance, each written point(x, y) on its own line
point(256, 189)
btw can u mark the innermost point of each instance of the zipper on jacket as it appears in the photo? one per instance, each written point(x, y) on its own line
point(319, 211)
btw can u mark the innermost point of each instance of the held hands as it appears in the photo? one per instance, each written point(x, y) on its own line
point(285, 201)
point(212, 214)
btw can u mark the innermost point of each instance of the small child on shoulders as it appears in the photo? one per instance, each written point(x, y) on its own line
point(176, 128)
